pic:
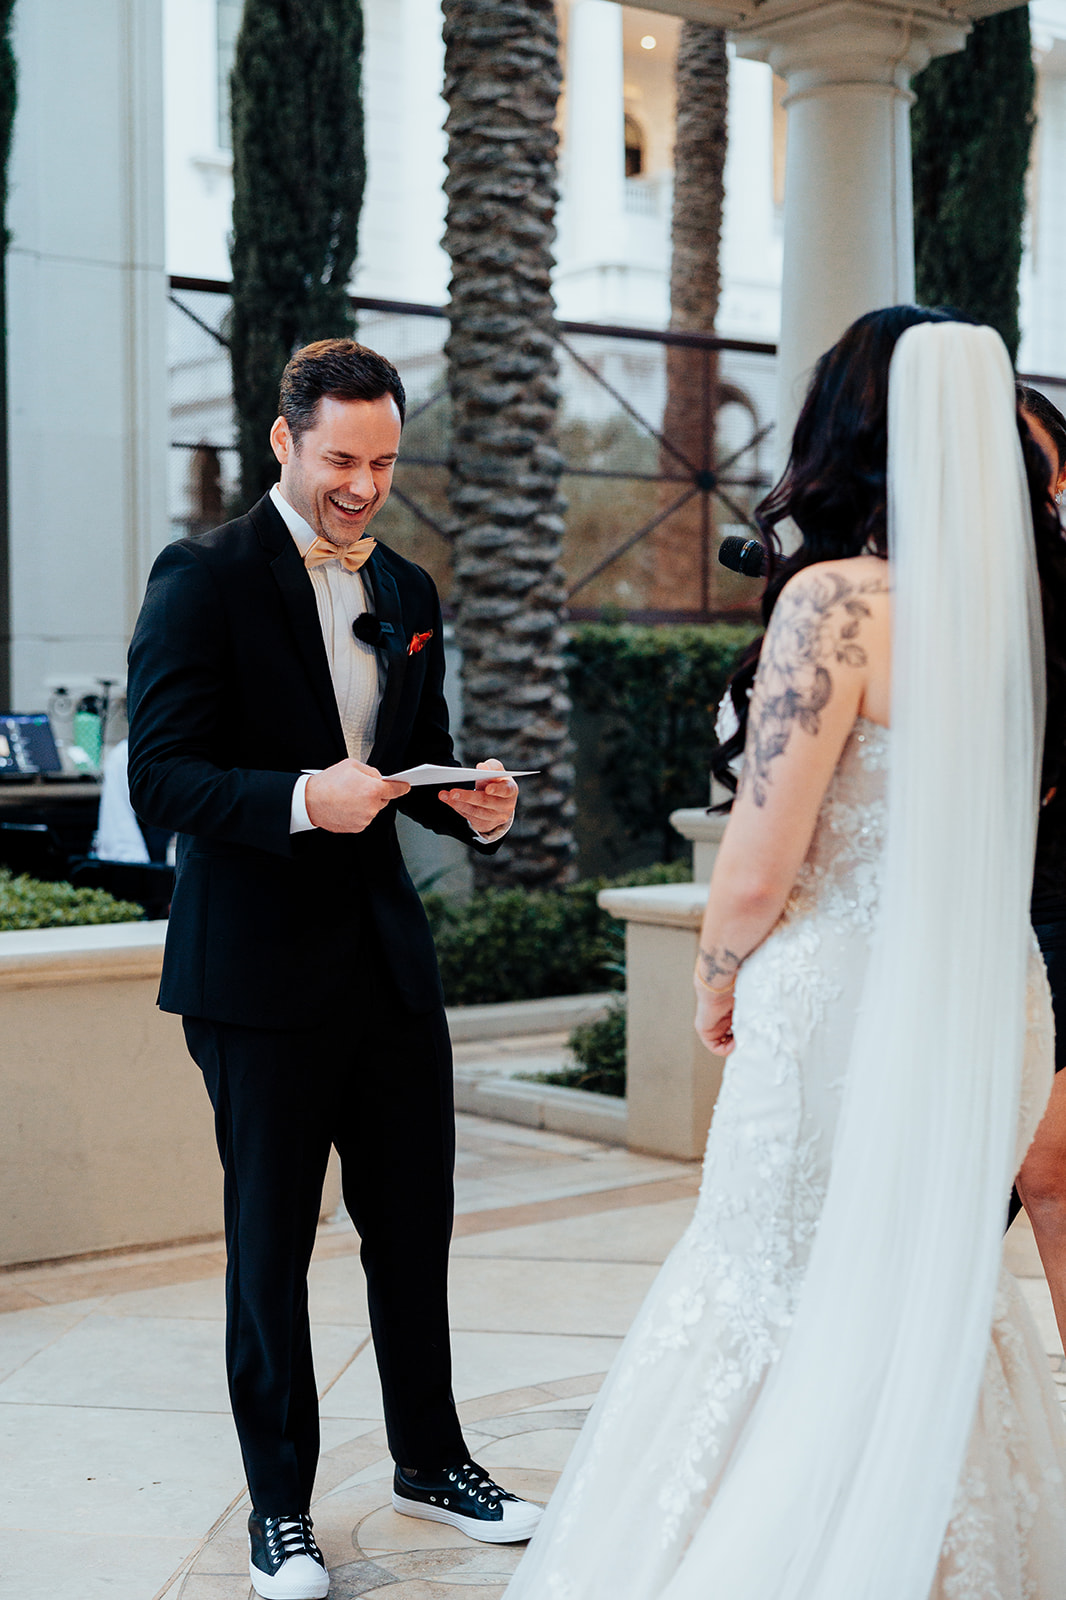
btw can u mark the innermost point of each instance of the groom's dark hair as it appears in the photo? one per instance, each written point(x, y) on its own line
point(341, 369)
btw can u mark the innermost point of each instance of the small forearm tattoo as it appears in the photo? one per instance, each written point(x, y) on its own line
point(813, 628)
point(714, 965)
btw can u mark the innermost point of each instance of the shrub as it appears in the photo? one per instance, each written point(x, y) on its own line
point(26, 903)
point(600, 1050)
point(658, 690)
point(524, 944)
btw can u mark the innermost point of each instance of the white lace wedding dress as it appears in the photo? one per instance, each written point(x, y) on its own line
point(631, 1502)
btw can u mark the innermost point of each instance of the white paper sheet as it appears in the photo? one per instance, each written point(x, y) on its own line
point(446, 776)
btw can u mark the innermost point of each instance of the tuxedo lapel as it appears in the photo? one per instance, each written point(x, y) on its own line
point(386, 596)
point(298, 600)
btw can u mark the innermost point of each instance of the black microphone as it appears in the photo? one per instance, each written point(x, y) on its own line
point(743, 555)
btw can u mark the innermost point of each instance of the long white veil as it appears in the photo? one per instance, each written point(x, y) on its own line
point(842, 1485)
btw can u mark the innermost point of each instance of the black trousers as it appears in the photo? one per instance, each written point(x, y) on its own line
point(378, 1086)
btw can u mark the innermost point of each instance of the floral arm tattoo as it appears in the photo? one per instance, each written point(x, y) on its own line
point(812, 629)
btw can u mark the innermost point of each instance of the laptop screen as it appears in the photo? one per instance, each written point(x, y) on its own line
point(26, 744)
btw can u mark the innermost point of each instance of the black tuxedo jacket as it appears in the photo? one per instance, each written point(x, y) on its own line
point(230, 697)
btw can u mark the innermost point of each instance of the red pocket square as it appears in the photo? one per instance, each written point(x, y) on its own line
point(419, 642)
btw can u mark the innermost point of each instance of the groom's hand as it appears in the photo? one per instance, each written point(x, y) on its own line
point(346, 798)
point(489, 806)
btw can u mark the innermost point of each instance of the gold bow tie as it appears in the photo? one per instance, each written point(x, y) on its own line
point(351, 559)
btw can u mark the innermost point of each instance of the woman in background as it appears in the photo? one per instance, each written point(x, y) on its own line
point(1041, 1182)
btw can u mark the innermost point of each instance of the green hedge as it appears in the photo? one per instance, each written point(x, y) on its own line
point(524, 944)
point(26, 903)
point(658, 691)
point(600, 1051)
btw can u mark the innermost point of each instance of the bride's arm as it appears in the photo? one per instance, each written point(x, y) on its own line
point(829, 625)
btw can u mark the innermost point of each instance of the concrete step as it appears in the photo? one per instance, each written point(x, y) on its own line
point(556, 1014)
point(547, 1106)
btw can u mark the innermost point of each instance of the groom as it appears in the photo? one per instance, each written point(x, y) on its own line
point(280, 665)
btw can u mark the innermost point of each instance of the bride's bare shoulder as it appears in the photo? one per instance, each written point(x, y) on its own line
point(837, 581)
point(836, 594)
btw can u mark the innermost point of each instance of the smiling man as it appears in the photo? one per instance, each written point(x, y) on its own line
point(281, 664)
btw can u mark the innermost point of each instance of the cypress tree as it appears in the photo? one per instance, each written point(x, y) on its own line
point(971, 129)
point(8, 97)
point(298, 176)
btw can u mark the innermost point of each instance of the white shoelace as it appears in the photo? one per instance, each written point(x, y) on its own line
point(293, 1535)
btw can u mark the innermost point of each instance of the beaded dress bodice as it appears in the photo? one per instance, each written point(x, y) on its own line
point(841, 876)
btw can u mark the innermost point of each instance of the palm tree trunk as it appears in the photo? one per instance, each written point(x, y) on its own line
point(502, 83)
point(680, 549)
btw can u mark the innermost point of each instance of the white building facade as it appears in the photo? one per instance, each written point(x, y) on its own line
point(616, 113)
point(133, 182)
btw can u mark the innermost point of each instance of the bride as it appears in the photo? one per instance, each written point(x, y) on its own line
point(832, 1391)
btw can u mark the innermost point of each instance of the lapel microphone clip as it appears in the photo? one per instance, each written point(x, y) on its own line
point(370, 629)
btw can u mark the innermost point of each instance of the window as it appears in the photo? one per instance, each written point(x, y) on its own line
point(228, 17)
point(634, 147)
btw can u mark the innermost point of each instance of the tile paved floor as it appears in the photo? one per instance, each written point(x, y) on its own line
point(122, 1476)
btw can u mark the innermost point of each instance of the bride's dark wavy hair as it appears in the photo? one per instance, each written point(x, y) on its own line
point(835, 490)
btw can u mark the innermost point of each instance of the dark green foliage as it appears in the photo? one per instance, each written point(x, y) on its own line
point(298, 177)
point(971, 128)
point(26, 903)
point(658, 691)
point(600, 1050)
point(523, 944)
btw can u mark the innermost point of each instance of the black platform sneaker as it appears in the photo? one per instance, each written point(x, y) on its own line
point(465, 1497)
point(285, 1563)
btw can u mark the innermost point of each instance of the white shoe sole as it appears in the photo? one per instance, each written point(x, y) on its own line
point(513, 1532)
point(301, 1585)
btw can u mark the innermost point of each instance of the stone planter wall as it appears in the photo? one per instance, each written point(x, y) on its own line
point(106, 1135)
point(672, 1082)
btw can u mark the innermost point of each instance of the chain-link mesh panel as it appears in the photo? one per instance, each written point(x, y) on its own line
point(667, 446)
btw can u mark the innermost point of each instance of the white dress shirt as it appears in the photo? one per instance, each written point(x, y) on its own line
point(357, 669)
point(357, 672)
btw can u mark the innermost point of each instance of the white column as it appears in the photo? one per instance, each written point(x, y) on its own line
point(425, 145)
point(402, 223)
point(87, 336)
point(751, 246)
point(594, 150)
point(849, 243)
point(1043, 306)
